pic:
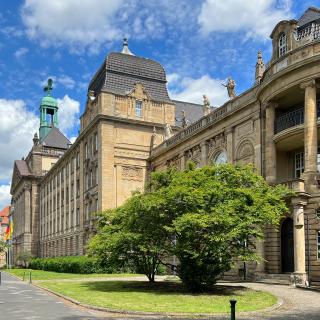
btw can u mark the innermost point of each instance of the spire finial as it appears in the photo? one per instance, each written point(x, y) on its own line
point(48, 87)
point(125, 48)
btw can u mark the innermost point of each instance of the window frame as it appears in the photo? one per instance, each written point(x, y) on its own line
point(138, 110)
point(298, 169)
point(282, 44)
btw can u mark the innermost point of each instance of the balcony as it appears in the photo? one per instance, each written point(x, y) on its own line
point(297, 185)
point(292, 118)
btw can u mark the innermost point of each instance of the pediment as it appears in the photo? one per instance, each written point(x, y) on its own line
point(139, 92)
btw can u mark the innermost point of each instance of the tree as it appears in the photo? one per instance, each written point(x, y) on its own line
point(24, 258)
point(205, 217)
point(3, 246)
point(133, 236)
point(218, 214)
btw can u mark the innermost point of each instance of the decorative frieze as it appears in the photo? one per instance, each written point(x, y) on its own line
point(194, 155)
point(174, 162)
point(132, 173)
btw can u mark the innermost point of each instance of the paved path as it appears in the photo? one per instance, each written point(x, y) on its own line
point(19, 300)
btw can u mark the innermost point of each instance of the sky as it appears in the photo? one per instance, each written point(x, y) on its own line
point(199, 42)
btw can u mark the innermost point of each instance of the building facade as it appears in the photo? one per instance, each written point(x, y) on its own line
point(131, 127)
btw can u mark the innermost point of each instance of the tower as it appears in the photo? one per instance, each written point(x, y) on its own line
point(48, 112)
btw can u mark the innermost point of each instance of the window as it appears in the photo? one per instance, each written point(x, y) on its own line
point(138, 109)
point(78, 159)
point(78, 216)
point(318, 245)
point(282, 44)
point(96, 141)
point(318, 213)
point(78, 187)
point(86, 150)
point(299, 164)
point(221, 158)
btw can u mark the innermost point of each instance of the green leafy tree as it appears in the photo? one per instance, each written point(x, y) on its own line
point(205, 217)
point(3, 246)
point(133, 236)
point(218, 212)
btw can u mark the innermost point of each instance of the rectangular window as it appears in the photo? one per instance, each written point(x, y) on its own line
point(318, 245)
point(78, 159)
point(78, 216)
point(138, 109)
point(96, 141)
point(86, 151)
point(78, 188)
point(299, 164)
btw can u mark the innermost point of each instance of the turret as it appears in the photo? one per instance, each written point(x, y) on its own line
point(48, 112)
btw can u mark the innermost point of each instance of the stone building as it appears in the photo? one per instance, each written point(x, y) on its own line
point(274, 125)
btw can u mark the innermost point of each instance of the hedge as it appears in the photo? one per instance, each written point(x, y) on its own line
point(72, 264)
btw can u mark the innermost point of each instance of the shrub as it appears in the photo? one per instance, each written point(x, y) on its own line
point(72, 264)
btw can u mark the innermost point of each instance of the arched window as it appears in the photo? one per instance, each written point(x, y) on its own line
point(282, 44)
point(221, 158)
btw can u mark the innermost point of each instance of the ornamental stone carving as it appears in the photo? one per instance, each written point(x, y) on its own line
point(215, 144)
point(132, 173)
point(194, 155)
point(174, 162)
point(245, 152)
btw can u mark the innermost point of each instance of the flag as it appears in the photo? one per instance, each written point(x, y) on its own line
point(7, 233)
point(11, 228)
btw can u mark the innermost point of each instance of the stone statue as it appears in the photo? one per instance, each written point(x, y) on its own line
point(183, 119)
point(230, 85)
point(260, 67)
point(206, 105)
point(35, 139)
point(167, 131)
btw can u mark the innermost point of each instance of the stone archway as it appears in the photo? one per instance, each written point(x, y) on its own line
point(287, 246)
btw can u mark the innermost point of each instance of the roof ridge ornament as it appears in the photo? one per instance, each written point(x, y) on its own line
point(125, 48)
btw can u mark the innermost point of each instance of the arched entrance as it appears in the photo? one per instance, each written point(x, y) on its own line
point(287, 251)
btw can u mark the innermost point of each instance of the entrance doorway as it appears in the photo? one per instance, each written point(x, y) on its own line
point(287, 251)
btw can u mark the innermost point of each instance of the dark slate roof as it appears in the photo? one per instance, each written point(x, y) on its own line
point(310, 15)
point(120, 72)
point(55, 139)
point(193, 111)
point(22, 167)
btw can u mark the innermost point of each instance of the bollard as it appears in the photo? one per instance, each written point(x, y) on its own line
point(233, 309)
point(30, 278)
point(0, 278)
point(24, 275)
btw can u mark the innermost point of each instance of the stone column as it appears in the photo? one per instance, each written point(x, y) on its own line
point(204, 153)
point(310, 132)
point(299, 276)
point(183, 161)
point(270, 155)
point(261, 266)
point(229, 142)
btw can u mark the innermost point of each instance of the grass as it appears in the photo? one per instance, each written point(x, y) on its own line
point(50, 275)
point(160, 297)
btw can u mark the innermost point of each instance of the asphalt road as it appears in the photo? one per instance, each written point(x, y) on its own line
point(19, 300)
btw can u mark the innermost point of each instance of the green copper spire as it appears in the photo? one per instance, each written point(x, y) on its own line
point(48, 111)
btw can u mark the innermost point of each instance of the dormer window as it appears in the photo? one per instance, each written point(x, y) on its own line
point(138, 108)
point(282, 44)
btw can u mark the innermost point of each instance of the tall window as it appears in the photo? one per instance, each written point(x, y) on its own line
point(221, 158)
point(318, 245)
point(282, 44)
point(299, 164)
point(138, 108)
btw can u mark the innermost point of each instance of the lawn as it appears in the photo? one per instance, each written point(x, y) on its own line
point(50, 275)
point(168, 297)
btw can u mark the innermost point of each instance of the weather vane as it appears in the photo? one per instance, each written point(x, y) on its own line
point(48, 87)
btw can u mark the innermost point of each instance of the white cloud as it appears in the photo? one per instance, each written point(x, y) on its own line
point(256, 18)
point(79, 24)
point(66, 81)
point(4, 195)
point(192, 90)
point(17, 127)
point(21, 52)
point(68, 113)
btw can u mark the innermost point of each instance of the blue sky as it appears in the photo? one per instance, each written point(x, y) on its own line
point(199, 42)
